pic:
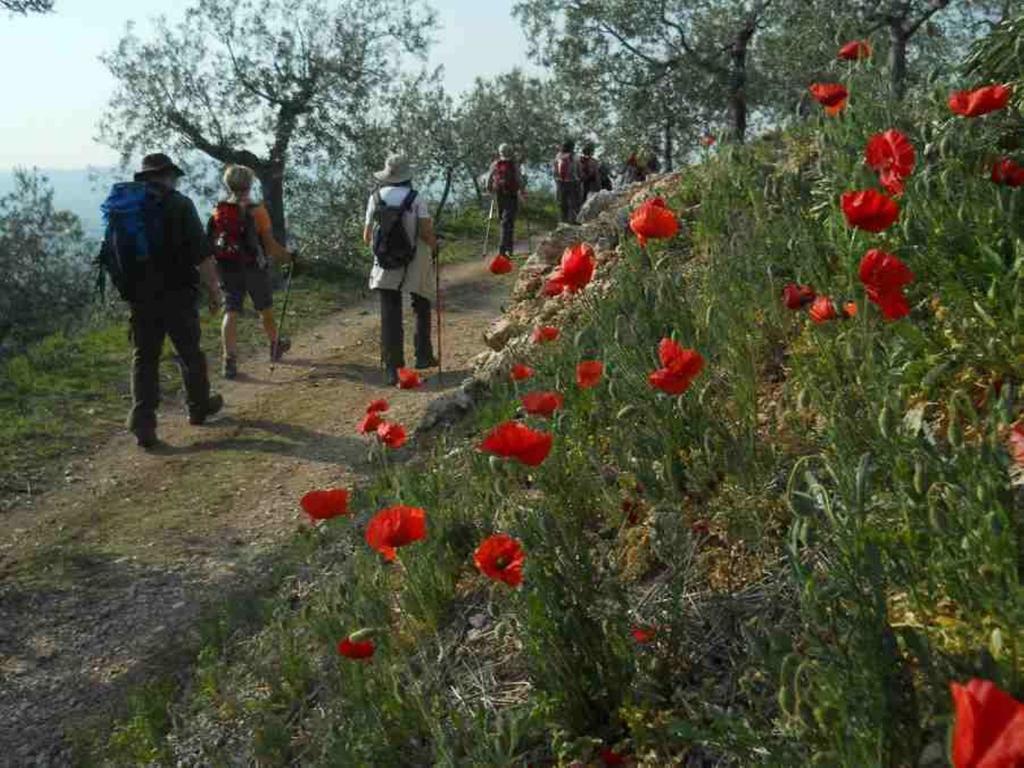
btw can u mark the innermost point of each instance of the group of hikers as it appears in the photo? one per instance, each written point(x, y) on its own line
point(159, 254)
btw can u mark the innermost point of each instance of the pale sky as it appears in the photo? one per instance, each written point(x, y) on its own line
point(53, 89)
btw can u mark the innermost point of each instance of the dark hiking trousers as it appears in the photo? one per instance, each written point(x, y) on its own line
point(174, 315)
point(392, 330)
point(508, 210)
point(568, 194)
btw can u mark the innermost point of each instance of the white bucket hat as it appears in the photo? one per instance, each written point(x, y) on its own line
point(396, 170)
point(505, 151)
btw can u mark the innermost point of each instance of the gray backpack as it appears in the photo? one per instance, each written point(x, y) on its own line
point(392, 247)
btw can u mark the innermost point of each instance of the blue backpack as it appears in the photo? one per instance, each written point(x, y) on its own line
point(133, 220)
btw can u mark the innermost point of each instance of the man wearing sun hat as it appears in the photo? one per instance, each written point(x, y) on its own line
point(396, 201)
point(505, 180)
point(161, 285)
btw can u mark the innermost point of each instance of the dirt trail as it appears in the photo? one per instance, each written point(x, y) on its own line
point(100, 580)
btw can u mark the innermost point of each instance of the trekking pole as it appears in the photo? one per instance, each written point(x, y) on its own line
point(437, 302)
point(487, 234)
point(284, 311)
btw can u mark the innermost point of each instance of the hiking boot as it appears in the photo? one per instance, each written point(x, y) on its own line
point(213, 406)
point(391, 377)
point(145, 437)
point(230, 367)
point(279, 347)
point(431, 362)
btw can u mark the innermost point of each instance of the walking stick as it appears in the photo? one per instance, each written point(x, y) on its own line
point(487, 234)
point(284, 311)
point(437, 302)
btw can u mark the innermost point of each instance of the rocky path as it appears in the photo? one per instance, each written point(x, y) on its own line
point(102, 581)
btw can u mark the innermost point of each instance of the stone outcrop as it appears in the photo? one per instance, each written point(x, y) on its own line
point(604, 223)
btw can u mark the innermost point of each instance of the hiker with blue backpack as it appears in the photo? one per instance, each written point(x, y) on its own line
point(155, 251)
point(242, 239)
point(400, 231)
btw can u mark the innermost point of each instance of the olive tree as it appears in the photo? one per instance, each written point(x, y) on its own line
point(262, 83)
point(27, 6)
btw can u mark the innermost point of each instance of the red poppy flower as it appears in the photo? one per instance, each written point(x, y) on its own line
point(989, 730)
point(577, 268)
point(869, 210)
point(855, 50)
point(500, 557)
point(849, 310)
point(611, 758)
point(892, 155)
point(554, 285)
point(500, 265)
point(589, 373)
point(521, 372)
point(512, 440)
point(327, 504)
point(396, 527)
point(369, 424)
point(884, 277)
point(980, 101)
point(832, 96)
point(653, 219)
point(643, 635)
point(378, 406)
point(1008, 172)
point(542, 403)
point(680, 366)
point(544, 333)
point(354, 649)
point(408, 379)
point(796, 296)
point(822, 310)
point(1015, 443)
point(392, 435)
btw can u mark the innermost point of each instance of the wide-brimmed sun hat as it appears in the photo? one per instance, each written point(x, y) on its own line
point(156, 164)
point(397, 170)
point(505, 151)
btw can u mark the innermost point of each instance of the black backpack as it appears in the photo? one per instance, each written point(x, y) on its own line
point(392, 247)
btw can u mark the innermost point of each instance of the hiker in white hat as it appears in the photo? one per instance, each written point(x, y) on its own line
point(505, 180)
point(400, 231)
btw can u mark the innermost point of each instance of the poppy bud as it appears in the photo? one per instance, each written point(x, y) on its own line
point(981, 494)
point(803, 399)
point(955, 431)
point(920, 477)
point(885, 421)
point(625, 412)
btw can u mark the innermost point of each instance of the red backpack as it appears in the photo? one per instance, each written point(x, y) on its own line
point(590, 170)
point(563, 167)
point(232, 234)
point(505, 179)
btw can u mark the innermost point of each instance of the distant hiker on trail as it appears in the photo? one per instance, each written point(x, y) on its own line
point(154, 251)
point(400, 231)
point(241, 238)
point(505, 180)
point(594, 174)
point(566, 171)
point(639, 166)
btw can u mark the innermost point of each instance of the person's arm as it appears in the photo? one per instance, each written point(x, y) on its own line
point(427, 234)
point(197, 245)
point(368, 221)
point(265, 230)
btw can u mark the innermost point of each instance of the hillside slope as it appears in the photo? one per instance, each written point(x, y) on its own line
point(782, 557)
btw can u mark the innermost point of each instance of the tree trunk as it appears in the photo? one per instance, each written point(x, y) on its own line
point(449, 174)
point(271, 178)
point(477, 189)
point(738, 83)
point(898, 58)
point(668, 145)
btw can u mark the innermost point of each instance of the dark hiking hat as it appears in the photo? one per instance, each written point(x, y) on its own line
point(156, 164)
